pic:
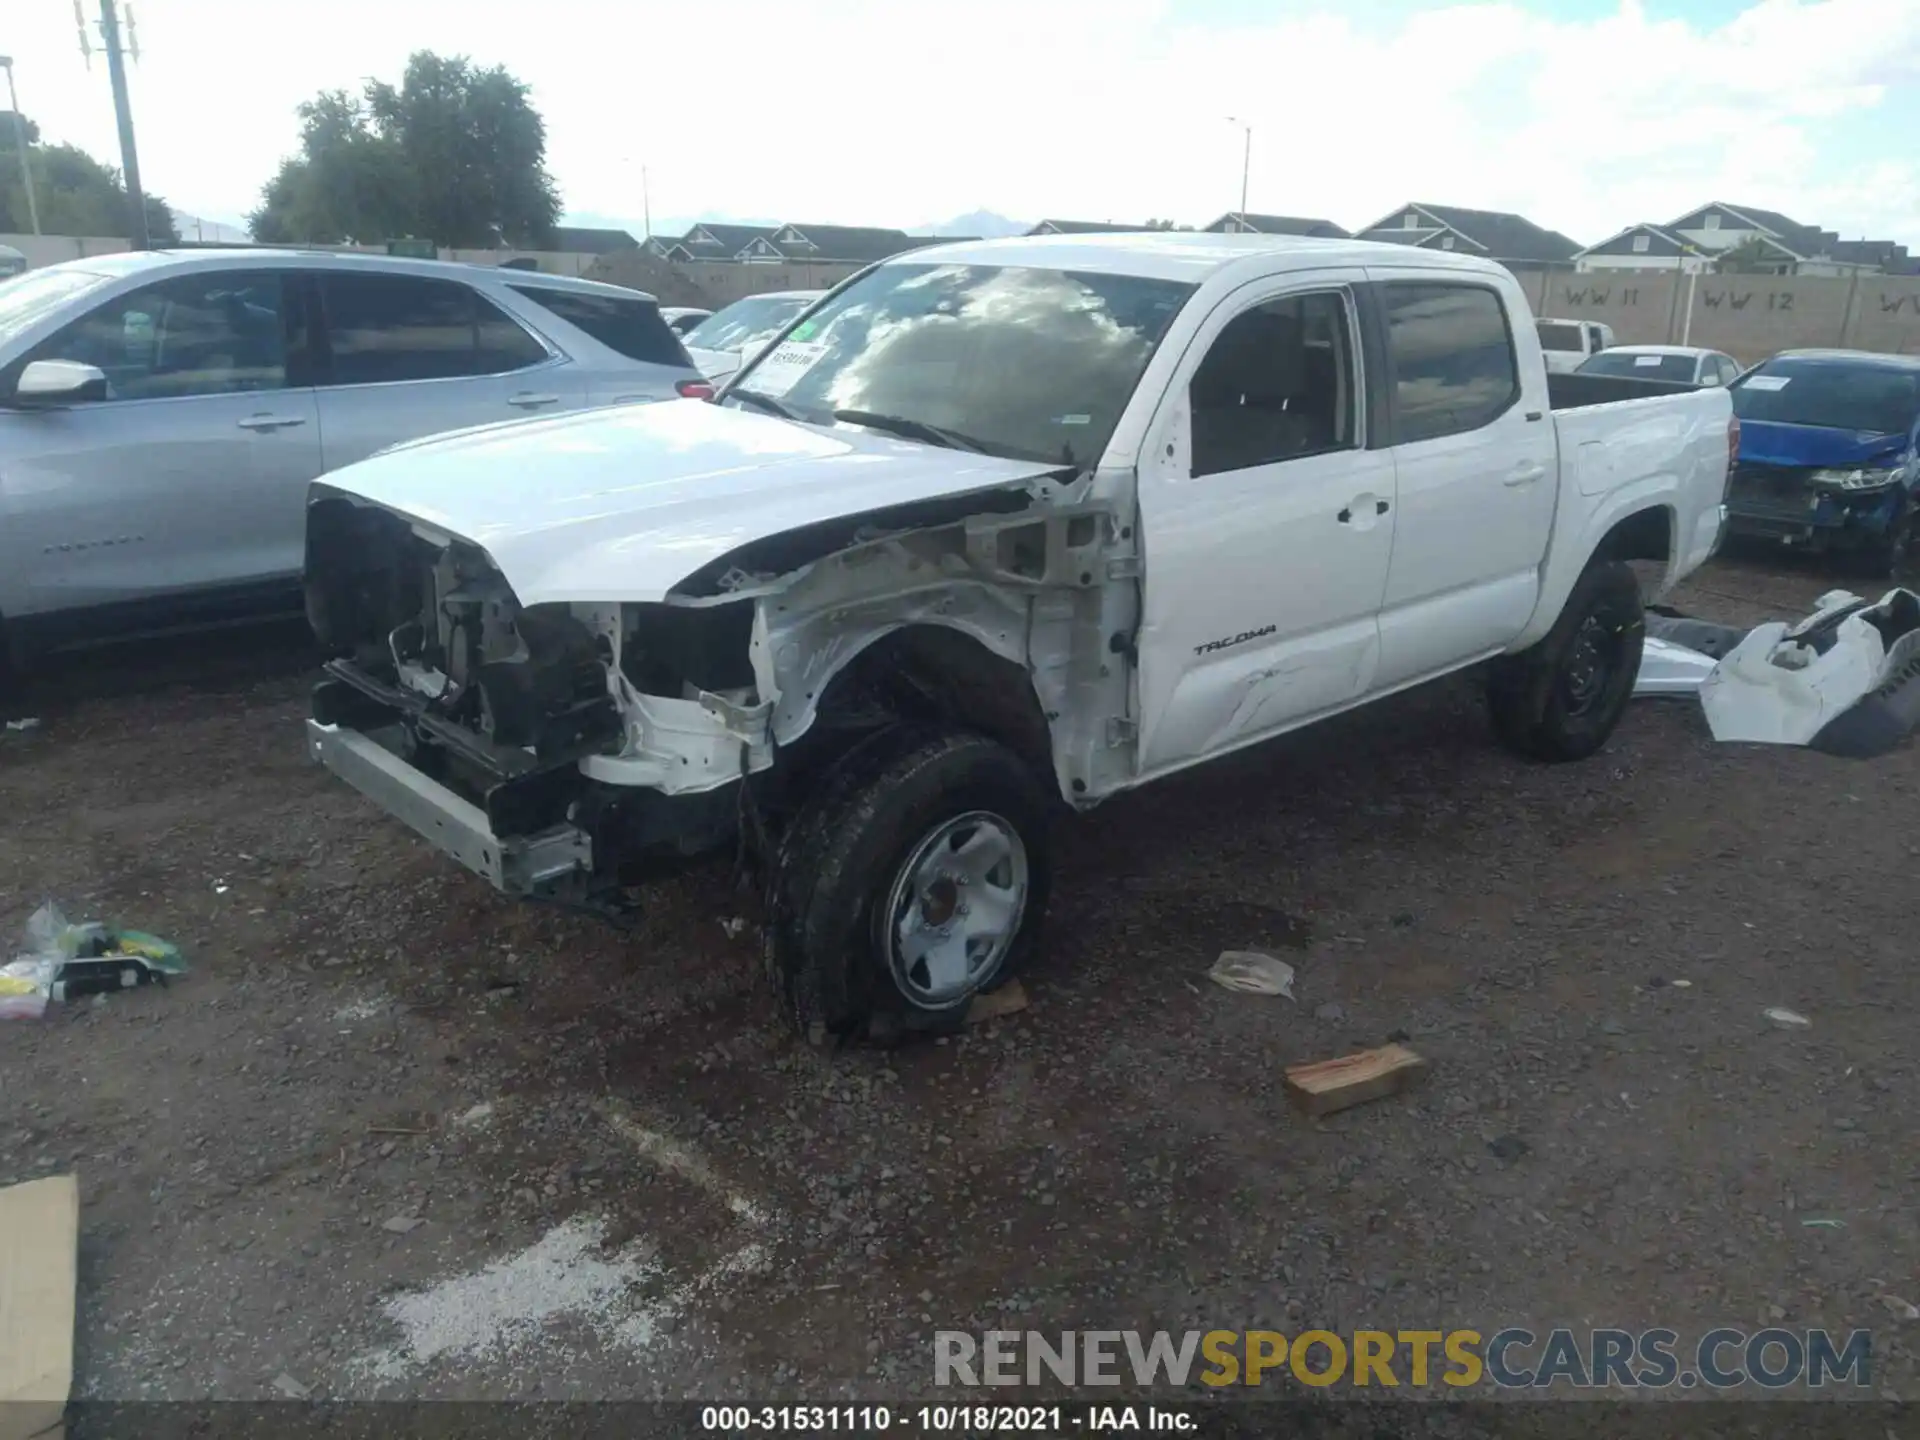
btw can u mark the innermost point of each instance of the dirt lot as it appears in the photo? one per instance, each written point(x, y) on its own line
point(395, 1136)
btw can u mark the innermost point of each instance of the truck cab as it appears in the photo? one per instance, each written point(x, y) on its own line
point(994, 529)
point(1566, 345)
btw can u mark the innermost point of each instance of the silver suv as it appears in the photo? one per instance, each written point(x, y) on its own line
point(161, 414)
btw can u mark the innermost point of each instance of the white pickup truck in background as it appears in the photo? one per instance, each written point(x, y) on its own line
point(1566, 345)
point(991, 526)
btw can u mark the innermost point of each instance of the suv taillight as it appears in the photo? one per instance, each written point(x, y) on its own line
point(1733, 451)
point(695, 390)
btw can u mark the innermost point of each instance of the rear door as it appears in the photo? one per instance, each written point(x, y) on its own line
point(410, 356)
point(191, 476)
point(1477, 466)
point(1267, 524)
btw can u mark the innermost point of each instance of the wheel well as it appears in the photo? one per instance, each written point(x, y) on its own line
point(933, 673)
point(1643, 535)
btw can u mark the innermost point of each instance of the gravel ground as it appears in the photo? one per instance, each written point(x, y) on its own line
point(396, 1136)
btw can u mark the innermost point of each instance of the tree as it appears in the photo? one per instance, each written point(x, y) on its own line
point(1166, 225)
point(456, 155)
point(1749, 257)
point(74, 193)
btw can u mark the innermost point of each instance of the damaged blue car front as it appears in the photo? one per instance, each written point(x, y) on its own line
point(1829, 454)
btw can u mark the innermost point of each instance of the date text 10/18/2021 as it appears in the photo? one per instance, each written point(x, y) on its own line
point(945, 1419)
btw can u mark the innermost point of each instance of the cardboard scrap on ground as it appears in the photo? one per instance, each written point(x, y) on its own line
point(1326, 1086)
point(39, 1239)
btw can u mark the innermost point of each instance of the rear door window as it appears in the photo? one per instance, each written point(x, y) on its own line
point(388, 328)
point(633, 328)
point(1451, 357)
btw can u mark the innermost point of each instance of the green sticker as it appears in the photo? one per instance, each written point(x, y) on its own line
point(802, 331)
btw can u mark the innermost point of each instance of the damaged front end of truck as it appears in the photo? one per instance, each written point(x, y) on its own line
point(565, 746)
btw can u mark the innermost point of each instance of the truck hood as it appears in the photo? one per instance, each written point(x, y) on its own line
point(623, 504)
point(1769, 442)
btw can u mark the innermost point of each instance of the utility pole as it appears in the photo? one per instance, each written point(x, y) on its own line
point(123, 114)
point(20, 139)
point(1246, 159)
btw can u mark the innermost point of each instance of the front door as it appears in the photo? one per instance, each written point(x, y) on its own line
point(190, 478)
point(1266, 525)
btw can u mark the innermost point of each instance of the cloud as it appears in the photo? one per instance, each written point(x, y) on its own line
point(865, 112)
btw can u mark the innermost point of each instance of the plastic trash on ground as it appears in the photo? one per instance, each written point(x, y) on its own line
point(64, 961)
point(1252, 973)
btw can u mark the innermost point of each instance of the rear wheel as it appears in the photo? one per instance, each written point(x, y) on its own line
point(912, 880)
point(1561, 699)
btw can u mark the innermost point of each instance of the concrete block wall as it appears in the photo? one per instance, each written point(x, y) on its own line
point(1748, 316)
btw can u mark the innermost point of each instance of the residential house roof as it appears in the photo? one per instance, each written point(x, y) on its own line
point(860, 243)
point(1659, 242)
point(1082, 227)
point(1496, 234)
point(711, 240)
point(586, 240)
point(1245, 221)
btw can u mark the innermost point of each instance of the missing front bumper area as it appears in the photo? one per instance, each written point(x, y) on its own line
point(516, 864)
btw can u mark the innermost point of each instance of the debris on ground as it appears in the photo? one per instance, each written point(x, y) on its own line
point(64, 961)
point(1817, 1222)
point(1009, 999)
point(1844, 681)
point(402, 1224)
point(1252, 973)
point(1508, 1148)
point(39, 1241)
point(1902, 1309)
point(31, 722)
point(734, 925)
point(1326, 1086)
point(286, 1385)
point(1787, 1019)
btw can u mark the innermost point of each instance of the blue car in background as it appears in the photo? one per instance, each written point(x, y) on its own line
point(1829, 454)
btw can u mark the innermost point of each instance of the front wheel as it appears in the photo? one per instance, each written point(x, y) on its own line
point(912, 880)
point(1561, 699)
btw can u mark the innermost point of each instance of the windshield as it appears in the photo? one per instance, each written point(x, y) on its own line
point(27, 299)
point(746, 323)
point(1560, 335)
point(1642, 366)
point(1030, 364)
point(1830, 394)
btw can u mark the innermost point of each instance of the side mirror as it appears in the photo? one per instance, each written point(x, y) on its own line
point(48, 383)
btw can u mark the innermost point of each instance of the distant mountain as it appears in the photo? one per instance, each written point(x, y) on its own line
point(984, 223)
point(213, 232)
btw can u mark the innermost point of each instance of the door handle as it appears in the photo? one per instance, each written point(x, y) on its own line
point(1525, 475)
point(1380, 507)
point(529, 401)
point(272, 422)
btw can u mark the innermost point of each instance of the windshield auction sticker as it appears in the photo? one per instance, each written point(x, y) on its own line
point(780, 368)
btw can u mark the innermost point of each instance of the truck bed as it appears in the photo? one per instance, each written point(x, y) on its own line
point(1574, 392)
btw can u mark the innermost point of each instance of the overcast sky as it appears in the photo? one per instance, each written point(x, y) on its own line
point(1584, 115)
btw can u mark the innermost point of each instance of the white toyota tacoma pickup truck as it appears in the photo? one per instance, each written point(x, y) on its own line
point(992, 526)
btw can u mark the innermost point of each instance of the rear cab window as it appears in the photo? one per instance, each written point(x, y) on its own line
point(1450, 356)
point(382, 329)
point(631, 328)
point(1561, 335)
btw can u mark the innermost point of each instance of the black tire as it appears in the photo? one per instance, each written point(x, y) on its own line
point(1560, 700)
point(839, 863)
point(13, 681)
